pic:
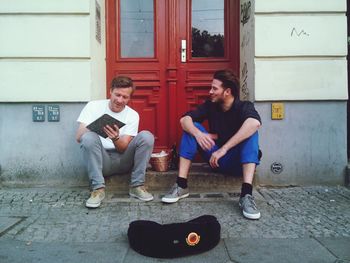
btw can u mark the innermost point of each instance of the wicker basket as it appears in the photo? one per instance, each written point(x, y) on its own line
point(160, 164)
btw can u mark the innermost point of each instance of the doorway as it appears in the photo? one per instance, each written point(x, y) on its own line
point(170, 48)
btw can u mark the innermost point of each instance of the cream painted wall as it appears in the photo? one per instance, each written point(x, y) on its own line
point(98, 53)
point(301, 35)
point(299, 6)
point(300, 79)
point(48, 51)
point(51, 36)
point(44, 6)
point(25, 80)
point(300, 50)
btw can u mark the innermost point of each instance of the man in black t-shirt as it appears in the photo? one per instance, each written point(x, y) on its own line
point(231, 145)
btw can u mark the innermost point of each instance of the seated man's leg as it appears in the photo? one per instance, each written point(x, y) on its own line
point(249, 152)
point(95, 157)
point(239, 160)
point(229, 163)
point(250, 157)
point(189, 146)
point(136, 158)
point(187, 152)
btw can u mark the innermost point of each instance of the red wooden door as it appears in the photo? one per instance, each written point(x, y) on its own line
point(202, 25)
point(170, 48)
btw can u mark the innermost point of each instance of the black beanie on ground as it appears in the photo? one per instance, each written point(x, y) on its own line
point(174, 240)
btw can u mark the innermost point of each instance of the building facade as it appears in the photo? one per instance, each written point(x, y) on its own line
point(57, 55)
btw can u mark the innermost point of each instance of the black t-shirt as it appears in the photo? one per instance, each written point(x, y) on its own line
point(224, 124)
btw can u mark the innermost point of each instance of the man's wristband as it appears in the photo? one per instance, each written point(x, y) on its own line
point(116, 138)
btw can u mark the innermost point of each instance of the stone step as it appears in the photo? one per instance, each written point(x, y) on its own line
point(201, 178)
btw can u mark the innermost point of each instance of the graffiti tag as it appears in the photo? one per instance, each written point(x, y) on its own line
point(296, 33)
point(245, 40)
point(244, 87)
point(245, 12)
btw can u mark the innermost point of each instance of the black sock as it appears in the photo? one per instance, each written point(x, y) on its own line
point(182, 182)
point(247, 189)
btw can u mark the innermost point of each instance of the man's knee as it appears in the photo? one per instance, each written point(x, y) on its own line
point(89, 139)
point(146, 138)
point(250, 149)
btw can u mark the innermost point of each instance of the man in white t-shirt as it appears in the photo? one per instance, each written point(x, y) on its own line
point(122, 151)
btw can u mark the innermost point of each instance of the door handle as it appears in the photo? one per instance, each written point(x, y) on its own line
point(183, 50)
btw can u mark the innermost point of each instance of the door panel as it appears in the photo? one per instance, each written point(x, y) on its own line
point(167, 84)
point(195, 75)
point(135, 48)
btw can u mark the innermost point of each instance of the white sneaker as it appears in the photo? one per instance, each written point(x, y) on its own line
point(96, 198)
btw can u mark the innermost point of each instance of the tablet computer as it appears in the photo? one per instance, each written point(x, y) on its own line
point(105, 119)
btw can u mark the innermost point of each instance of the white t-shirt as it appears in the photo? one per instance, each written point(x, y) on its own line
point(95, 109)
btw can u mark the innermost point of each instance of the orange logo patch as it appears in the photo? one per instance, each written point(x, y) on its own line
point(192, 239)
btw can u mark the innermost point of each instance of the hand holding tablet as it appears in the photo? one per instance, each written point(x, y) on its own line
point(106, 119)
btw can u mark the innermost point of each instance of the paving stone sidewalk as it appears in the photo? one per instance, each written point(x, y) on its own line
point(309, 217)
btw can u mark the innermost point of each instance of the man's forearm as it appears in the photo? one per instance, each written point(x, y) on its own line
point(81, 130)
point(122, 143)
point(188, 125)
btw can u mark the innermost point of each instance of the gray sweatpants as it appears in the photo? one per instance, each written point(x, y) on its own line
point(100, 161)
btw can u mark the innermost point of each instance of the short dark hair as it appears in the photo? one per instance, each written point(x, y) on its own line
point(122, 82)
point(229, 81)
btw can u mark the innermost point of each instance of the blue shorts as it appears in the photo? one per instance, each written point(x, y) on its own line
point(231, 163)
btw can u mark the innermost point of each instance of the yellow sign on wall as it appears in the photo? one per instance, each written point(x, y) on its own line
point(277, 111)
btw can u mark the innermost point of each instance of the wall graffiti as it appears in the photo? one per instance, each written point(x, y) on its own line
point(300, 33)
point(244, 83)
point(245, 12)
point(247, 48)
point(245, 39)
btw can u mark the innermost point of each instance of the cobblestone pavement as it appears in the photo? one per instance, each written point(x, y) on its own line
point(50, 215)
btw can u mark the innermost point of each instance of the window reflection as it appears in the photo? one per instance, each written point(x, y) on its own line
point(207, 28)
point(137, 28)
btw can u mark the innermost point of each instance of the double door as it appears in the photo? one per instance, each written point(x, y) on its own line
point(170, 48)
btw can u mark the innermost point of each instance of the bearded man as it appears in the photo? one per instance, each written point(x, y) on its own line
point(231, 145)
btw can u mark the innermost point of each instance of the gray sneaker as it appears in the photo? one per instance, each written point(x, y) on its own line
point(141, 193)
point(175, 194)
point(248, 206)
point(96, 198)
